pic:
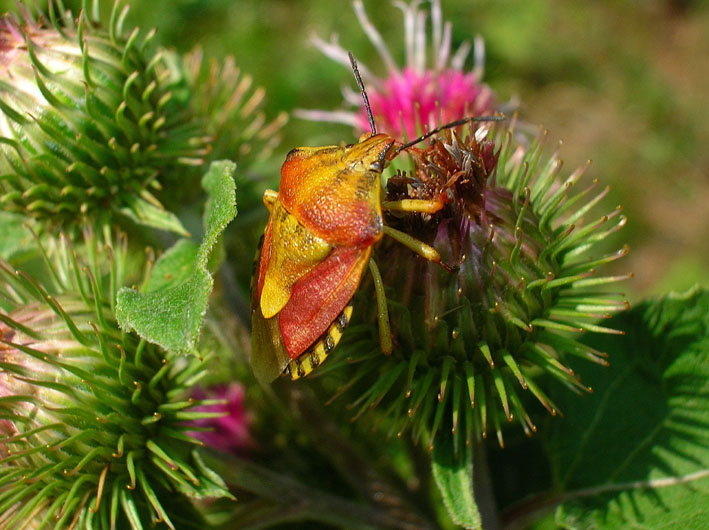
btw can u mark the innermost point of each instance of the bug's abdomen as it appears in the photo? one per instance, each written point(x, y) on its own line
point(318, 352)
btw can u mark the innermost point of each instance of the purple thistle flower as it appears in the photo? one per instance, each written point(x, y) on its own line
point(421, 95)
point(413, 101)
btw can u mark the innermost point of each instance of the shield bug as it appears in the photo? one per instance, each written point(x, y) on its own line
point(324, 221)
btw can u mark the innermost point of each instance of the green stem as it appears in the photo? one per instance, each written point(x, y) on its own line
point(482, 486)
point(298, 501)
point(348, 460)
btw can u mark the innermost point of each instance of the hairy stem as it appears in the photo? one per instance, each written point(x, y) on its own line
point(300, 502)
point(348, 460)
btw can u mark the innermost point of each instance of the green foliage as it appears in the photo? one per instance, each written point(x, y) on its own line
point(146, 213)
point(169, 309)
point(636, 453)
point(454, 478)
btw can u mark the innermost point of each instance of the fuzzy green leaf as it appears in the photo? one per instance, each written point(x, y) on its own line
point(170, 310)
point(146, 213)
point(454, 478)
point(636, 452)
point(175, 267)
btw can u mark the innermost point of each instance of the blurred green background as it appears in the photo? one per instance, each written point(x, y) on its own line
point(621, 82)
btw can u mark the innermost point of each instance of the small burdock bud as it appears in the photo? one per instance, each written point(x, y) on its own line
point(93, 420)
point(89, 124)
point(475, 340)
point(226, 98)
point(229, 107)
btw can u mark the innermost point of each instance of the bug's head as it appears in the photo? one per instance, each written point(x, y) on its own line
point(374, 151)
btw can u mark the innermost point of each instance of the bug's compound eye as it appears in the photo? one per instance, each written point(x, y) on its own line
point(293, 153)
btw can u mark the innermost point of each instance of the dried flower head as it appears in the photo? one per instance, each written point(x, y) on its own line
point(92, 419)
point(89, 121)
point(472, 344)
point(431, 89)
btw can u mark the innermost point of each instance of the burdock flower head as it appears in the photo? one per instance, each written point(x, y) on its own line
point(474, 339)
point(93, 419)
point(432, 88)
point(90, 122)
point(475, 343)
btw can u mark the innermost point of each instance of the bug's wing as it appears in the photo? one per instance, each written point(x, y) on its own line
point(268, 355)
point(320, 296)
point(288, 253)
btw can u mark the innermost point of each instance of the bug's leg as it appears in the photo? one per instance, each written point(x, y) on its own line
point(414, 205)
point(421, 248)
point(382, 311)
point(269, 198)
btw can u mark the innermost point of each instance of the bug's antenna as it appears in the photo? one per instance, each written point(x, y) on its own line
point(450, 125)
point(360, 84)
